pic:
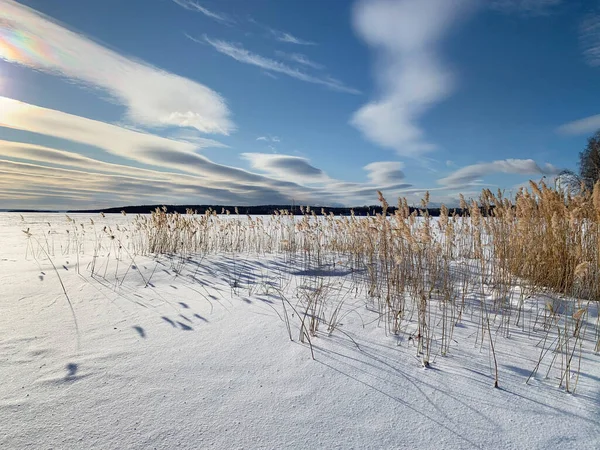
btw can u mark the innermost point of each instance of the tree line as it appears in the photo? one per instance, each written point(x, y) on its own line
point(589, 166)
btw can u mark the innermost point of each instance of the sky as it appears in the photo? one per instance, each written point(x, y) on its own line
point(108, 103)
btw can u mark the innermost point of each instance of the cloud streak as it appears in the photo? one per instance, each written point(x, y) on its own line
point(581, 126)
point(191, 5)
point(48, 177)
point(525, 7)
point(285, 167)
point(242, 55)
point(410, 75)
point(590, 39)
point(44, 177)
point(300, 59)
point(269, 138)
point(282, 36)
point(474, 172)
point(144, 148)
point(151, 96)
point(43, 181)
point(176, 172)
point(385, 172)
point(289, 38)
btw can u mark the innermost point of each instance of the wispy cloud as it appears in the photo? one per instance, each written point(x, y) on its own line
point(156, 169)
point(469, 174)
point(581, 126)
point(49, 186)
point(590, 39)
point(160, 153)
point(386, 176)
point(300, 59)
point(242, 55)
point(285, 167)
point(152, 97)
point(525, 7)
point(281, 36)
point(347, 193)
point(120, 141)
point(270, 75)
point(289, 38)
point(269, 138)
point(193, 137)
point(384, 173)
point(197, 7)
point(45, 177)
point(410, 75)
point(39, 154)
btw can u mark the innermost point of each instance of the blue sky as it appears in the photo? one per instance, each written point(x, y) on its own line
point(109, 103)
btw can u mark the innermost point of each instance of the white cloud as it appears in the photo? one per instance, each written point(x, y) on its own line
point(242, 55)
point(156, 151)
point(472, 173)
point(44, 177)
point(117, 140)
point(269, 138)
point(152, 97)
point(385, 172)
point(525, 7)
point(197, 7)
point(360, 193)
point(300, 59)
point(382, 175)
point(177, 174)
point(270, 75)
point(285, 167)
point(582, 126)
point(192, 136)
point(51, 177)
point(386, 176)
point(289, 38)
point(282, 36)
point(409, 73)
point(95, 177)
point(44, 183)
point(37, 154)
point(590, 39)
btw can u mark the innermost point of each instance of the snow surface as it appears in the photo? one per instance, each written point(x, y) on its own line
point(192, 362)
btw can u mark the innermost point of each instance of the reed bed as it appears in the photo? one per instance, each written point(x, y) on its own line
point(491, 260)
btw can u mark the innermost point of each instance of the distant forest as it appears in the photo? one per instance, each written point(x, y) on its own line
point(255, 210)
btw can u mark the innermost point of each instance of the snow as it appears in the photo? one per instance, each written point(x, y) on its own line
point(192, 360)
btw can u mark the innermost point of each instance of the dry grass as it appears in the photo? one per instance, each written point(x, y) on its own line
point(421, 275)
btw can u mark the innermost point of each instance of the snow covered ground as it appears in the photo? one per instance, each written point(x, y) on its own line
point(156, 353)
